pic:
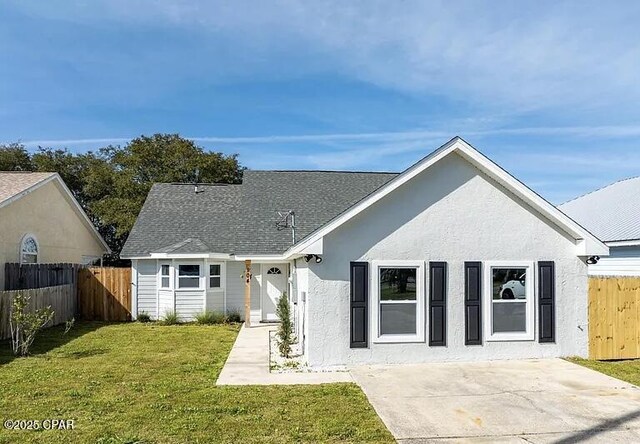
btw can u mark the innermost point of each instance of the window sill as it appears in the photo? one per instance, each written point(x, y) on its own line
point(519, 337)
point(399, 339)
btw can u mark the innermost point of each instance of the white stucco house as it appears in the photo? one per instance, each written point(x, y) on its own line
point(613, 214)
point(452, 259)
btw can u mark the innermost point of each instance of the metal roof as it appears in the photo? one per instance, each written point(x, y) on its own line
point(241, 219)
point(612, 213)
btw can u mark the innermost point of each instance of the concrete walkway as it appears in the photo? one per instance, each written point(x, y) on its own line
point(248, 363)
point(535, 401)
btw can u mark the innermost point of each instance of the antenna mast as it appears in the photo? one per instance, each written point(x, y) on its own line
point(287, 220)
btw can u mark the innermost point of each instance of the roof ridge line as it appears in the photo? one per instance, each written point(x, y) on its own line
point(600, 189)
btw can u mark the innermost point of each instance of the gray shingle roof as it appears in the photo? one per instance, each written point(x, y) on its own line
point(241, 219)
point(611, 213)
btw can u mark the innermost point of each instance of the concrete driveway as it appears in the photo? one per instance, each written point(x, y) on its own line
point(536, 401)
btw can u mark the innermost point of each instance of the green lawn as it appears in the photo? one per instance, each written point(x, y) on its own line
point(625, 370)
point(149, 383)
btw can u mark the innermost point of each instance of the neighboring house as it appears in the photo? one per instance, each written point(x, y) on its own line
point(383, 268)
point(613, 214)
point(41, 222)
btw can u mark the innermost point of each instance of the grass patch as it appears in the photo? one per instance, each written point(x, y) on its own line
point(170, 318)
point(150, 383)
point(628, 370)
point(210, 317)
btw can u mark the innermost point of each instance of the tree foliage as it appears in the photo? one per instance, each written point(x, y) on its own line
point(15, 157)
point(285, 329)
point(112, 183)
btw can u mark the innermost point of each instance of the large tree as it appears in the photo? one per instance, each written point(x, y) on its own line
point(112, 183)
point(118, 192)
point(14, 157)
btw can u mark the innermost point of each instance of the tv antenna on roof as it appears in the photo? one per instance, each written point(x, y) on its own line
point(196, 180)
point(287, 220)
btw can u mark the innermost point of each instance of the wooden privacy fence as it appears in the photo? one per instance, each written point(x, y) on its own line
point(614, 317)
point(104, 294)
point(23, 276)
point(61, 298)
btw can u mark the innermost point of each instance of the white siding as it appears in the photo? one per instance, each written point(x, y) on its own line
point(165, 299)
point(215, 300)
point(622, 261)
point(451, 212)
point(147, 287)
point(189, 303)
point(235, 287)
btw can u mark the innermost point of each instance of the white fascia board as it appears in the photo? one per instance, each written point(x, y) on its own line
point(365, 203)
point(591, 245)
point(261, 258)
point(187, 256)
point(585, 247)
point(623, 243)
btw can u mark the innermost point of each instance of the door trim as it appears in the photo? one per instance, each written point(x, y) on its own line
point(264, 267)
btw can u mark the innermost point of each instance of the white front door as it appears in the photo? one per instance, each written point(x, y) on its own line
point(275, 284)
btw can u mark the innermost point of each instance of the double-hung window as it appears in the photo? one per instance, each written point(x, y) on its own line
point(188, 276)
point(215, 276)
point(510, 304)
point(398, 288)
point(164, 276)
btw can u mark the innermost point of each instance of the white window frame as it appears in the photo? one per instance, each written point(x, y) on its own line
point(420, 302)
point(160, 276)
point(200, 276)
point(529, 334)
point(22, 253)
point(221, 276)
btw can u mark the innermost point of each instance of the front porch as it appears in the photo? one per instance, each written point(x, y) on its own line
point(264, 284)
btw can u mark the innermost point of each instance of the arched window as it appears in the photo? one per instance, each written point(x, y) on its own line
point(29, 250)
point(274, 270)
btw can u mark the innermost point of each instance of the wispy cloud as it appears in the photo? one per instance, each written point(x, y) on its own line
point(500, 53)
point(599, 132)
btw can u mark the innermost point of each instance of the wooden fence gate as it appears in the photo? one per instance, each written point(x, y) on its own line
point(104, 294)
point(614, 317)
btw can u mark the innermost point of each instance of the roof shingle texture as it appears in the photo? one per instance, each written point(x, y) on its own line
point(611, 213)
point(13, 183)
point(241, 219)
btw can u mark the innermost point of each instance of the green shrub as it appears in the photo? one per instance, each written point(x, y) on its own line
point(170, 318)
point(143, 316)
point(285, 330)
point(25, 324)
point(208, 317)
point(233, 316)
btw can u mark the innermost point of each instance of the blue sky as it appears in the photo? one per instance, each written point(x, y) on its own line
point(550, 90)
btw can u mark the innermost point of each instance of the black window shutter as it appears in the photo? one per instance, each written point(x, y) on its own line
point(359, 305)
point(473, 303)
point(437, 303)
point(546, 301)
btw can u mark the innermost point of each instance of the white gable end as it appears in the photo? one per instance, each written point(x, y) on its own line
point(585, 243)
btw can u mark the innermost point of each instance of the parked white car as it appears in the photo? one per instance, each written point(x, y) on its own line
point(514, 289)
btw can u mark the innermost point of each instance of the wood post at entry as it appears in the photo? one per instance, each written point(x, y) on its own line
point(247, 293)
